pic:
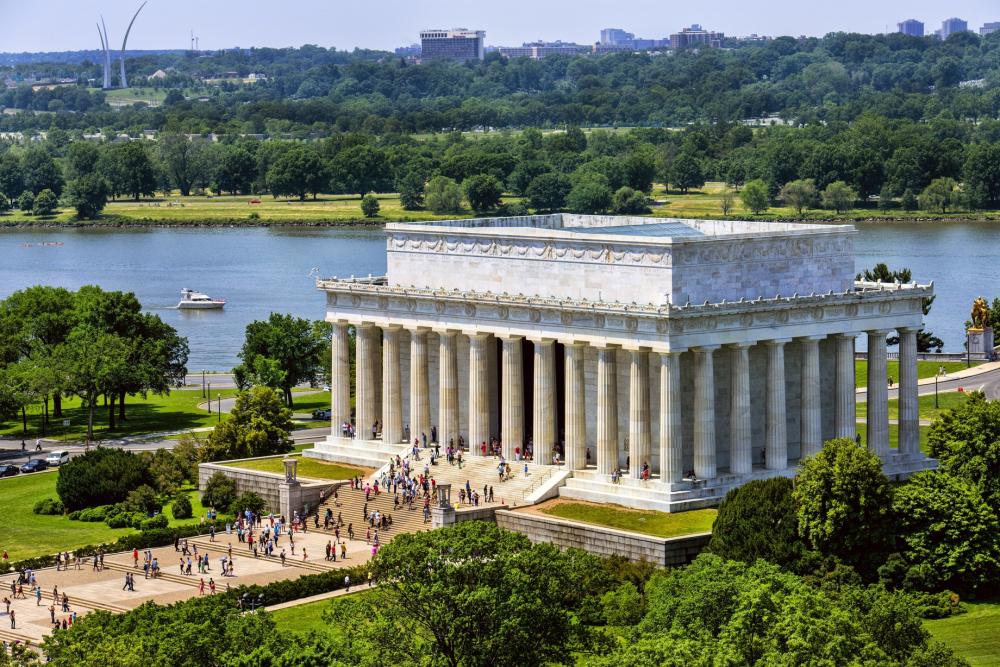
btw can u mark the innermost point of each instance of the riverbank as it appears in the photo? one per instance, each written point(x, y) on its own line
point(345, 210)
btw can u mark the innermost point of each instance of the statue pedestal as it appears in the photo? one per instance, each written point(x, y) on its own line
point(980, 342)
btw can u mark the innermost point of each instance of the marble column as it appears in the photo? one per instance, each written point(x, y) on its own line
point(846, 418)
point(340, 378)
point(909, 417)
point(575, 407)
point(878, 394)
point(543, 414)
point(639, 438)
point(740, 425)
point(704, 412)
point(447, 388)
point(811, 432)
point(512, 392)
point(479, 393)
point(607, 410)
point(367, 341)
point(671, 436)
point(392, 395)
point(776, 438)
point(420, 400)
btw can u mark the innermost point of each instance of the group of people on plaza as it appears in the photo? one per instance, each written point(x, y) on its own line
point(60, 602)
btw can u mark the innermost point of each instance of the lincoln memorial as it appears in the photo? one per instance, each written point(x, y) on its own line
point(656, 362)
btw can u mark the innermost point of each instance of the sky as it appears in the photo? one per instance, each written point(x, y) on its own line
point(60, 25)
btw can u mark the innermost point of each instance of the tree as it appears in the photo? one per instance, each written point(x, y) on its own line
point(982, 171)
point(800, 194)
point(411, 191)
point(219, 491)
point(443, 195)
point(248, 500)
point(839, 196)
point(685, 173)
point(726, 201)
point(288, 340)
point(40, 172)
point(102, 476)
point(5, 204)
point(472, 594)
point(845, 505)
point(370, 206)
point(26, 201)
point(183, 160)
point(46, 203)
point(11, 175)
point(362, 169)
point(298, 172)
point(939, 195)
point(950, 537)
point(88, 195)
point(92, 362)
point(627, 201)
point(181, 507)
point(966, 442)
point(483, 192)
point(235, 172)
point(133, 170)
point(257, 426)
point(908, 201)
point(590, 194)
point(759, 520)
point(548, 192)
point(755, 197)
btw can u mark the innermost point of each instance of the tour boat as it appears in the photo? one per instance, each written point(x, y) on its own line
point(198, 301)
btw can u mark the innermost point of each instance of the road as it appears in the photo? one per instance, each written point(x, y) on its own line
point(986, 380)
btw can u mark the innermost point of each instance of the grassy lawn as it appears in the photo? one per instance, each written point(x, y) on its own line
point(308, 617)
point(925, 369)
point(310, 468)
point(974, 635)
point(30, 534)
point(894, 435)
point(174, 412)
point(946, 401)
point(311, 402)
point(660, 524)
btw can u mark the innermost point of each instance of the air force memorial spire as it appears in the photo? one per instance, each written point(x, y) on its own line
point(662, 362)
point(102, 32)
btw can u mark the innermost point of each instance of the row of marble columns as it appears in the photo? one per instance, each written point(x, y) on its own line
point(640, 425)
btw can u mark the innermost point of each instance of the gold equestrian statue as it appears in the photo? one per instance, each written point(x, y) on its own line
point(980, 314)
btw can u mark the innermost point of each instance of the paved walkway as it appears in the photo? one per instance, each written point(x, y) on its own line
point(89, 590)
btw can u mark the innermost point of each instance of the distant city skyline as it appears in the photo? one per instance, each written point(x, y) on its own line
point(54, 25)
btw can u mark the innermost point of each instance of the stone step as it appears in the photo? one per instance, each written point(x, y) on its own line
point(77, 601)
point(11, 636)
point(365, 453)
point(651, 490)
point(164, 574)
point(610, 494)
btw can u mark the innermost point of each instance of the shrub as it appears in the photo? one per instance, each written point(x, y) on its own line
point(158, 521)
point(100, 477)
point(370, 206)
point(48, 506)
point(627, 201)
point(219, 491)
point(248, 500)
point(512, 210)
point(26, 201)
point(254, 216)
point(93, 514)
point(143, 499)
point(623, 606)
point(181, 507)
point(46, 203)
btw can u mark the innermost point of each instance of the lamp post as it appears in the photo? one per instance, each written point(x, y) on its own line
point(203, 384)
point(936, 376)
point(218, 412)
point(968, 349)
point(209, 398)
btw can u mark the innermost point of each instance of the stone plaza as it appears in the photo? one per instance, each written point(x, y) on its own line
point(659, 362)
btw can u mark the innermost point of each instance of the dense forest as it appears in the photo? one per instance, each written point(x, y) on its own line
point(311, 89)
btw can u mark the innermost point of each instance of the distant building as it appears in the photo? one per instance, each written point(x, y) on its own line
point(911, 27)
point(615, 37)
point(990, 28)
point(696, 36)
point(408, 51)
point(538, 50)
point(951, 26)
point(455, 44)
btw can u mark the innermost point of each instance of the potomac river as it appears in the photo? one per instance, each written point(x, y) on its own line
point(260, 270)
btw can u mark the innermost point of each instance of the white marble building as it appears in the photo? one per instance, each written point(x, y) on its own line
point(713, 352)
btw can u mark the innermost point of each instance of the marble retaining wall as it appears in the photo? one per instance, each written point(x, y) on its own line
point(267, 485)
point(604, 542)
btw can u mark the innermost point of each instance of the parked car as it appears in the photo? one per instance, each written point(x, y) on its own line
point(57, 458)
point(35, 465)
point(8, 470)
point(322, 413)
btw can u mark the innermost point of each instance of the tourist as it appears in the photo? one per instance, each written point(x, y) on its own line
point(201, 587)
point(347, 586)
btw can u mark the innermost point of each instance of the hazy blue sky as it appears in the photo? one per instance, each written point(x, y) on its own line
point(55, 25)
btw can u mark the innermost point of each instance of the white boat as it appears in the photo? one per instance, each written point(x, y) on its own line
point(191, 300)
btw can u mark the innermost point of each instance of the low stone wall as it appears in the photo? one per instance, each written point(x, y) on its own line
point(267, 485)
point(662, 551)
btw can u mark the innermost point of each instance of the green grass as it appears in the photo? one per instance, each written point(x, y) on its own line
point(946, 401)
point(311, 402)
point(26, 534)
point(310, 468)
point(925, 369)
point(660, 524)
point(894, 435)
point(178, 410)
point(302, 618)
point(974, 635)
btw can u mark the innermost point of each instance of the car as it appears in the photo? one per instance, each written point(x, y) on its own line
point(35, 465)
point(57, 458)
point(322, 413)
point(8, 470)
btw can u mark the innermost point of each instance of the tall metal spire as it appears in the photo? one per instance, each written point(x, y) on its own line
point(106, 47)
point(124, 81)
